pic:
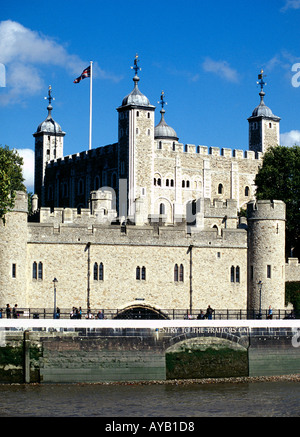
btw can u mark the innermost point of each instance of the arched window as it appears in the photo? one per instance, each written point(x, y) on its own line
point(34, 270)
point(95, 272)
point(143, 273)
point(101, 272)
point(162, 208)
point(176, 273)
point(232, 274)
point(181, 273)
point(40, 270)
point(235, 274)
point(138, 273)
point(247, 191)
point(220, 189)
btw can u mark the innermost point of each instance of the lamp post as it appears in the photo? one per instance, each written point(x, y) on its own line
point(260, 287)
point(190, 250)
point(55, 281)
point(87, 248)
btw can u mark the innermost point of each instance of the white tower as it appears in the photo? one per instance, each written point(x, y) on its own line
point(49, 145)
point(135, 146)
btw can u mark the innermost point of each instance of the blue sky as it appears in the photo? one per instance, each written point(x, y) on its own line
point(204, 55)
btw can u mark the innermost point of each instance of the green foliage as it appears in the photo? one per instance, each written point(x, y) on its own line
point(11, 178)
point(292, 294)
point(279, 179)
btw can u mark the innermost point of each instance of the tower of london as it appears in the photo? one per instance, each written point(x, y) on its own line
point(148, 220)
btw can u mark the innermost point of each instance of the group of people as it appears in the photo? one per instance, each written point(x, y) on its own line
point(202, 315)
point(207, 315)
point(76, 313)
point(9, 312)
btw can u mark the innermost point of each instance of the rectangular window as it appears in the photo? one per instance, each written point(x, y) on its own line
point(268, 271)
point(14, 271)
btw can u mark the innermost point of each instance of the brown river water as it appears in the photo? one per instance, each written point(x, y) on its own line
point(212, 399)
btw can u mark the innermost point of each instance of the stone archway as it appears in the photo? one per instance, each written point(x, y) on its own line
point(139, 311)
point(206, 357)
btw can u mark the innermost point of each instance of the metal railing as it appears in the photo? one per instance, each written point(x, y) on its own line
point(146, 313)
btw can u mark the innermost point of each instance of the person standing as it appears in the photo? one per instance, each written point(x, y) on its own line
point(8, 311)
point(270, 313)
point(209, 312)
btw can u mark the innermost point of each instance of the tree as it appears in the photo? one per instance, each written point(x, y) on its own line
point(11, 178)
point(279, 179)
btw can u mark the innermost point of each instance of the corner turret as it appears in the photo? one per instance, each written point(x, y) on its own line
point(263, 124)
point(266, 254)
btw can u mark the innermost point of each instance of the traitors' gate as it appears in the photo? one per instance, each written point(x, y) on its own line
point(92, 351)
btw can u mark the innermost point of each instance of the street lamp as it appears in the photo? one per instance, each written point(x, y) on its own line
point(260, 287)
point(88, 249)
point(190, 250)
point(55, 281)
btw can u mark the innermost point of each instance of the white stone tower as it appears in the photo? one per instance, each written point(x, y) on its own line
point(263, 124)
point(266, 254)
point(135, 147)
point(13, 254)
point(49, 145)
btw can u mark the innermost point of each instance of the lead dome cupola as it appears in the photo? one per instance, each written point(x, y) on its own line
point(262, 110)
point(136, 98)
point(163, 130)
point(49, 125)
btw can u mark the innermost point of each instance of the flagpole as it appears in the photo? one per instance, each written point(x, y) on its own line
point(91, 101)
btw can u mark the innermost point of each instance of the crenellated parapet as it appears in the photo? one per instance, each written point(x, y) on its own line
point(83, 156)
point(205, 151)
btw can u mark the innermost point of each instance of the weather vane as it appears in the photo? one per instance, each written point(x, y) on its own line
point(49, 98)
point(261, 80)
point(162, 102)
point(136, 68)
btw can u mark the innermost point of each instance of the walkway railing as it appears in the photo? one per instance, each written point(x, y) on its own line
point(141, 313)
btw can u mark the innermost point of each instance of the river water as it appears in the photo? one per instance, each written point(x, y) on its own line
point(248, 399)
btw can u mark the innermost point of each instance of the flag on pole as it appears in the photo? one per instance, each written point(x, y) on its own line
point(84, 74)
point(88, 72)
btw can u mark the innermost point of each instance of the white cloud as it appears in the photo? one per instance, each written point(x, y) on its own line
point(28, 167)
point(221, 68)
point(291, 4)
point(24, 52)
point(289, 139)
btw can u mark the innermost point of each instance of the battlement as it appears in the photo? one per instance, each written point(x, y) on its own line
point(266, 210)
point(220, 208)
point(212, 151)
point(21, 202)
point(86, 154)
